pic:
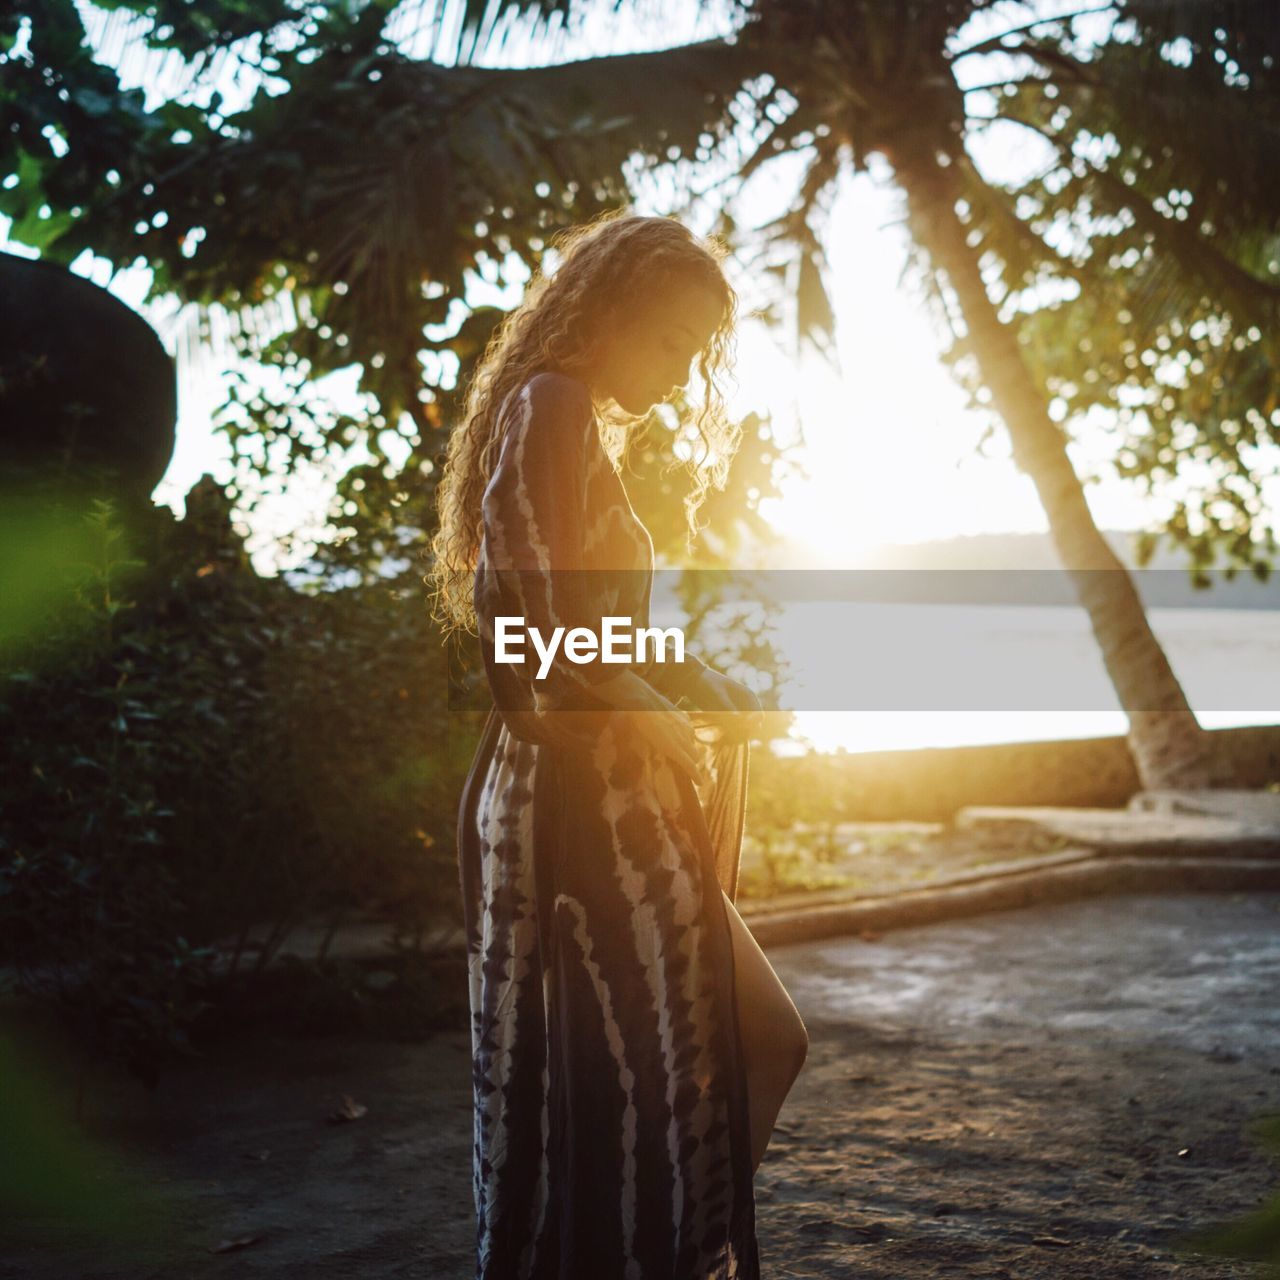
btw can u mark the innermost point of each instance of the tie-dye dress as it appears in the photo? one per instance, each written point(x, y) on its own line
point(611, 1130)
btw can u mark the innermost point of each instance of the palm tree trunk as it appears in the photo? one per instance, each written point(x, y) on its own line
point(1169, 747)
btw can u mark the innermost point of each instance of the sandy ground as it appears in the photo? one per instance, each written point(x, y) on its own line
point(1054, 1092)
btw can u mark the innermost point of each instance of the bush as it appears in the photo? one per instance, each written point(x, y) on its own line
point(189, 751)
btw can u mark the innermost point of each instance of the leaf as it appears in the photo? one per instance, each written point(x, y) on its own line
point(349, 1110)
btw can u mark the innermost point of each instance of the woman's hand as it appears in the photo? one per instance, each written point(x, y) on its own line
point(659, 723)
point(670, 735)
point(722, 700)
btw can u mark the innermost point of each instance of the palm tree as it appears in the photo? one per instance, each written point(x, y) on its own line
point(869, 76)
point(378, 175)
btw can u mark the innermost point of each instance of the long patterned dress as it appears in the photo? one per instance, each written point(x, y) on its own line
point(611, 1130)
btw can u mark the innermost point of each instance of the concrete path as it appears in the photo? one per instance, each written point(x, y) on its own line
point(1198, 972)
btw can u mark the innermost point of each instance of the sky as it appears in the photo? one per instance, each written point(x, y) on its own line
point(889, 447)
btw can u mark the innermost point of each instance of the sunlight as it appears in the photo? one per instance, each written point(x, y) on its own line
point(886, 434)
point(890, 443)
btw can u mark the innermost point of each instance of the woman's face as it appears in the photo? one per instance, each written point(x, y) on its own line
point(649, 354)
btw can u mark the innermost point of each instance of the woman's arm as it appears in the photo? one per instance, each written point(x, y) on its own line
point(533, 510)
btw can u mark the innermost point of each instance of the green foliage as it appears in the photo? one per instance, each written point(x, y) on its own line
point(658, 492)
point(1255, 1236)
point(365, 198)
point(80, 819)
point(188, 752)
point(790, 863)
point(363, 185)
point(782, 793)
point(1141, 260)
point(56, 1180)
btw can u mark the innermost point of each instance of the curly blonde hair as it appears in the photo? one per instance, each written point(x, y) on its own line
point(609, 266)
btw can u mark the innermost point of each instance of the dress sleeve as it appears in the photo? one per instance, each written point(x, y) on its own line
point(535, 525)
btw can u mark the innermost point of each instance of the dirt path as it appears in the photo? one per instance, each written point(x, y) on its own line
point(1008, 1095)
point(1053, 1092)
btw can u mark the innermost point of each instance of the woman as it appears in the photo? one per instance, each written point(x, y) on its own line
point(631, 1043)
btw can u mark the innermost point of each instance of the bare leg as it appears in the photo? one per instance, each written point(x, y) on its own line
point(774, 1038)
